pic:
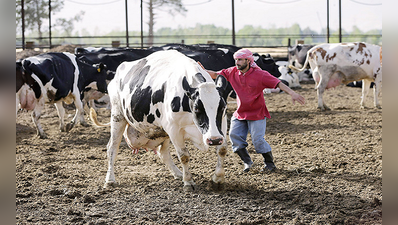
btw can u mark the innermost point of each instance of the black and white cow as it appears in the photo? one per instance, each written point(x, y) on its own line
point(161, 98)
point(25, 97)
point(298, 54)
point(61, 77)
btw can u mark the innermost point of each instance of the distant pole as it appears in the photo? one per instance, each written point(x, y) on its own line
point(49, 21)
point(23, 24)
point(327, 22)
point(127, 26)
point(233, 23)
point(340, 39)
point(142, 27)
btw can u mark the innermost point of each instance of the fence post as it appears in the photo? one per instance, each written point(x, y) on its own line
point(115, 44)
point(30, 44)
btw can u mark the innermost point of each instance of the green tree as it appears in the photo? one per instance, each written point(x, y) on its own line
point(37, 14)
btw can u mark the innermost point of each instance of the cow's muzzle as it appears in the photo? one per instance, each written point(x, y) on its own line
point(215, 141)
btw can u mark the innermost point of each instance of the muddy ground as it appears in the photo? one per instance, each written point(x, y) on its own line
point(329, 172)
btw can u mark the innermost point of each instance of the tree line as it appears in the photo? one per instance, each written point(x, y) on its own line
point(205, 33)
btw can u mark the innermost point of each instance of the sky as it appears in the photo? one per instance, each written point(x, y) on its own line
point(102, 16)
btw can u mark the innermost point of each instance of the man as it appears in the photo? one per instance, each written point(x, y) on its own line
point(249, 81)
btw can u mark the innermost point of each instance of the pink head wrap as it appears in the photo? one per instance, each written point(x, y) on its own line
point(245, 54)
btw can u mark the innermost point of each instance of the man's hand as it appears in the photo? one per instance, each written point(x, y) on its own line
point(200, 64)
point(298, 98)
point(211, 73)
point(295, 96)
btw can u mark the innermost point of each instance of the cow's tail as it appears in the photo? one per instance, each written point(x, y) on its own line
point(304, 66)
point(93, 117)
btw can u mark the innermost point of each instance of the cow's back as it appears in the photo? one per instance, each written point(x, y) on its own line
point(346, 54)
point(148, 92)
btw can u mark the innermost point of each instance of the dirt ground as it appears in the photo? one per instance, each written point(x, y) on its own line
point(329, 172)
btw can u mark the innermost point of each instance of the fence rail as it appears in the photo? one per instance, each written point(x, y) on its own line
point(253, 40)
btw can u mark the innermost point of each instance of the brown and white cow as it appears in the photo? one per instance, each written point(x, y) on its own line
point(166, 97)
point(342, 63)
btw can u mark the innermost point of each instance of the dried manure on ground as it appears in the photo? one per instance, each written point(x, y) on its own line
point(329, 172)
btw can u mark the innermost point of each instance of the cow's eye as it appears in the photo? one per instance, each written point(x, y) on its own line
point(196, 109)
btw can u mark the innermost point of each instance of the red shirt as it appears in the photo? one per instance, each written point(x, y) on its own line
point(249, 90)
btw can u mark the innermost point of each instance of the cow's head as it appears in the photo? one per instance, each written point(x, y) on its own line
point(208, 110)
point(101, 77)
point(289, 76)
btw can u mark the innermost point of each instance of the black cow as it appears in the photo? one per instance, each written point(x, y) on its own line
point(111, 57)
point(266, 62)
point(61, 77)
point(212, 56)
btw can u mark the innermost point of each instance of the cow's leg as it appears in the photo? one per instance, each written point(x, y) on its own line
point(321, 104)
point(86, 107)
point(61, 114)
point(219, 174)
point(377, 91)
point(365, 91)
point(183, 156)
point(36, 114)
point(164, 155)
point(118, 126)
point(91, 103)
point(17, 103)
point(79, 115)
point(325, 73)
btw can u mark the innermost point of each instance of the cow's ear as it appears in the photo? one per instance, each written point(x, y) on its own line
point(198, 78)
point(221, 84)
point(189, 91)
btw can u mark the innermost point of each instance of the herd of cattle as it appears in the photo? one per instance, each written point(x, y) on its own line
point(83, 77)
point(161, 94)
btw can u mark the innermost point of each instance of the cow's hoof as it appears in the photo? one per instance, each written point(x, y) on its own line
point(108, 185)
point(322, 109)
point(216, 186)
point(84, 124)
point(42, 136)
point(178, 177)
point(218, 179)
point(189, 188)
point(69, 126)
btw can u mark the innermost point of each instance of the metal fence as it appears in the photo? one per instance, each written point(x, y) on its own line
point(245, 41)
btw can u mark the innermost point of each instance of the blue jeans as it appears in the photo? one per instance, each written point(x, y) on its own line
point(239, 130)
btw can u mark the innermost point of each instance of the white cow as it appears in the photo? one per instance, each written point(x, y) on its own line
point(161, 98)
point(334, 64)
